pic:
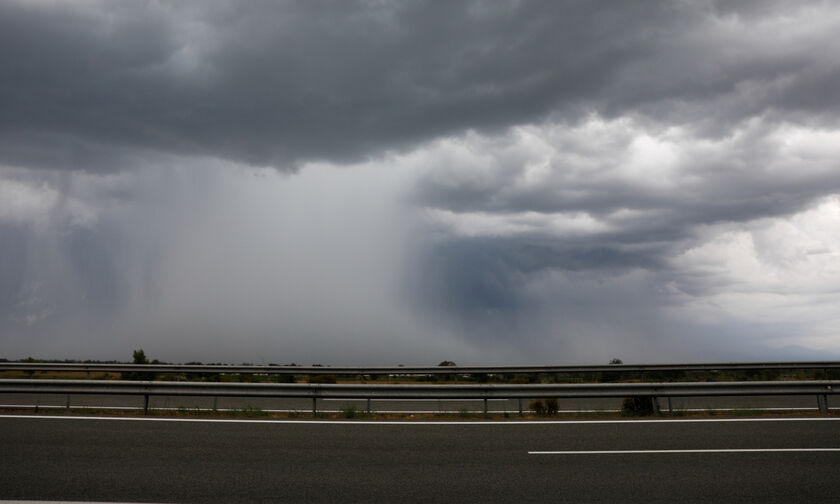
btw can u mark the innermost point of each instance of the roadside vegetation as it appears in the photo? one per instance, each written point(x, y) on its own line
point(617, 376)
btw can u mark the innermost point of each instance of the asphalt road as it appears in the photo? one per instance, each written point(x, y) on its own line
point(161, 460)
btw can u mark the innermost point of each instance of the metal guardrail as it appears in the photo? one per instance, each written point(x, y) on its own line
point(403, 370)
point(821, 389)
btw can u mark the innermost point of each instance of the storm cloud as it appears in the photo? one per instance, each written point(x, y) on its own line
point(407, 182)
point(275, 83)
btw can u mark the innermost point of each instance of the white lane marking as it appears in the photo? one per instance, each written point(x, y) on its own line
point(720, 450)
point(420, 422)
point(63, 502)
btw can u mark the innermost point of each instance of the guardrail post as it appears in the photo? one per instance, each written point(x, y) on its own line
point(368, 405)
point(822, 403)
point(643, 392)
point(215, 403)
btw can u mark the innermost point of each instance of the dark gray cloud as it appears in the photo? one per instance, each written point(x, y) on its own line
point(274, 83)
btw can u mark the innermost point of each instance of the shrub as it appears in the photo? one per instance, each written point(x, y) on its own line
point(545, 407)
point(349, 411)
point(326, 378)
point(639, 406)
point(248, 411)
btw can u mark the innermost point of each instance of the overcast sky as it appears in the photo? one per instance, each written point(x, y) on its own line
point(380, 182)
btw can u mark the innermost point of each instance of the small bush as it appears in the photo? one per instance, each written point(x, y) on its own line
point(248, 411)
point(544, 407)
point(182, 411)
point(326, 378)
point(349, 411)
point(639, 406)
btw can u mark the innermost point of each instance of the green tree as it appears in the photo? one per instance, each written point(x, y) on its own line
point(447, 377)
point(611, 376)
point(139, 357)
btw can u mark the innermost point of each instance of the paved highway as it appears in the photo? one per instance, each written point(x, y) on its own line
point(192, 460)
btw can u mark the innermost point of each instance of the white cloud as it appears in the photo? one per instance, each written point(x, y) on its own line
point(474, 224)
point(780, 271)
point(40, 205)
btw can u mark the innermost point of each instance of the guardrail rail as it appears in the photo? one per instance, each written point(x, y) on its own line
point(404, 370)
point(822, 389)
